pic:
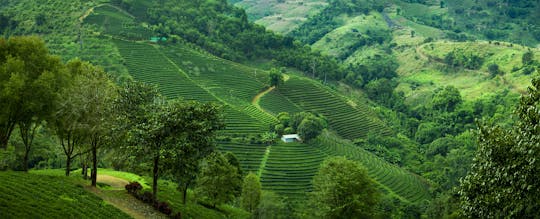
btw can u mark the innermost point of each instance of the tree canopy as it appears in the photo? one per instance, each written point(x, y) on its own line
point(503, 181)
point(342, 189)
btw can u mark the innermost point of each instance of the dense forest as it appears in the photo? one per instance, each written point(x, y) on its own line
point(365, 109)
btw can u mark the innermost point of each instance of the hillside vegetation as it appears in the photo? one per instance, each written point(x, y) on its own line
point(194, 96)
point(31, 195)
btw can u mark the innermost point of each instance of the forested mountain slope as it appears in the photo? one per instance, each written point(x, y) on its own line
point(191, 57)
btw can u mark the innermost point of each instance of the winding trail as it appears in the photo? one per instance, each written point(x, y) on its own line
point(118, 197)
point(258, 97)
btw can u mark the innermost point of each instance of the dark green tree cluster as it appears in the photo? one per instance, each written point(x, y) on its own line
point(459, 58)
point(326, 20)
point(343, 189)
point(503, 181)
point(73, 101)
point(172, 135)
point(224, 30)
point(30, 79)
point(306, 124)
point(275, 77)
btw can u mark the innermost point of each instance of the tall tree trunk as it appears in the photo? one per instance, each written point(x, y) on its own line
point(184, 193)
point(68, 165)
point(25, 160)
point(5, 132)
point(28, 131)
point(93, 174)
point(3, 141)
point(84, 171)
point(155, 178)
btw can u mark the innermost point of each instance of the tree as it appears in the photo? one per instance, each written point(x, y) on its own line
point(271, 206)
point(217, 180)
point(174, 134)
point(68, 122)
point(251, 192)
point(29, 81)
point(275, 77)
point(97, 94)
point(503, 181)
point(494, 69)
point(270, 137)
point(527, 58)
point(342, 189)
point(233, 161)
point(446, 99)
point(195, 125)
point(311, 126)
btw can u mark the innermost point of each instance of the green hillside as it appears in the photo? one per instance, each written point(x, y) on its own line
point(184, 71)
point(27, 195)
point(280, 16)
point(349, 119)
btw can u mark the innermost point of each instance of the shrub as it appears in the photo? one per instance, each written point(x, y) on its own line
point(134, 188)
point(146, 197)
point(164, 208)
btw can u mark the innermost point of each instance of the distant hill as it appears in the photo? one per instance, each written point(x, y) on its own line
point(419, 34)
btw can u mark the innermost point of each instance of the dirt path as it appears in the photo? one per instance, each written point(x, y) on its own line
point(118, 197)
point(257, 98)
point(114, 182)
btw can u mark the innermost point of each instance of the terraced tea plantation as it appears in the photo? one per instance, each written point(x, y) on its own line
point(26, 195)
point(181, 70)
point(222, 77)
point(349, 121)
point(249, 155)
point(275, 102)
point(114, 22)
point(391, 178)
point(145, 63)
point(290, 169)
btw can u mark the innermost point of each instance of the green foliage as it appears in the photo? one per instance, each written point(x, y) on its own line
point(26, 87)
point(217, 180)
point(527, 58)
point(494, 69)
point(29, 79)
point(73, 119)
point(326, 20)
point(463, 59)
point(347, 120)
point(224, 30)
point(311, 126)
point(446, 99)
point(343, 189)
point(177, 132)
point(29, 195)
point(272, 206)
point(503, 179)
point(275, 77)
point(251, 192)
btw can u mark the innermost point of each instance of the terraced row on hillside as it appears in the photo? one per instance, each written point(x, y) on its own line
point(222, 77)
point(146, 63)
point(290, 169)
point(114, 22)
point(391, 178)
point(349, 121)
point(24, 196)
point(249, 155)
